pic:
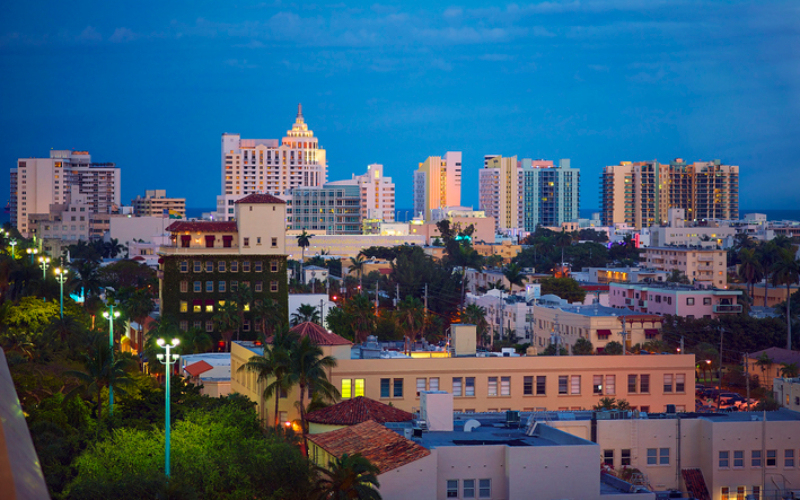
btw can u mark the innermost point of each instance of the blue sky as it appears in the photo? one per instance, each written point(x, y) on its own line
point(152, 86)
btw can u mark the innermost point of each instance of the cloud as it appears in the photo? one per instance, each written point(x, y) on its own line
point(89, 34)
point(240, 64)
point(122, 35)
point(453, 12)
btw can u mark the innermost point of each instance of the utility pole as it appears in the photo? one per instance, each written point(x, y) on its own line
point(322, 312)
point(397, 296)
point(557, 336)
point(747, 375)
point(502, 314)
point(682, 351)
point(376, 298)
point(719, 372)
point(426, 297)
point(624, 335)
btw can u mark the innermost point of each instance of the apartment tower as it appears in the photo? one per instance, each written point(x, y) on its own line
point(437, 184)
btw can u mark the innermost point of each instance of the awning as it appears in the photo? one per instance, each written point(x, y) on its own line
point(650, 333)
point(603, 333)
point(196, 369)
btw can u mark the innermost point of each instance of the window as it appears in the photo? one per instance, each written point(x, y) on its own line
point(738, 458)
point(680, 382)
point(575, 385)
point(484, 488)
point(644, 383)
point(235, 266)
point(772, 458)
point(209, 286)
point(209, 326)
point(632, 384)
point(657, 456)
point(505, 386)
point(385, 387)
point(234, 286)
point(259, 266)
point(273, 286)
point(625, 457)
point(725, 493)
point(273, 266)
point(347, 386)
point(541, 384)
point(469, 488)
point(492, 386)
point(398, 388)
point(469, 386)
point(740, 492)
point(198, 286)
point(663, 456)
point(527, 386)
point(755, 458)
point(184, 266)
point(184, 286)
point(184, 306)
point(611, 384)
point(433, 384)
point(597, 384)
point(184, 326)
point(221, 266)
point(452, 488)
point(608, 457)
point(756, 490)
point(689, 301)
point(259, 286)
point(258, 239)
point(209, 266)
point(247, 242)
point(221, 286)
point(421, 383)
point(706, 301)
point(456, 387)
point(788, 458)
point(667, 382)
point(274, 242)
point(562, 384)
point(210, 306)
point(724, 459)
point(246, 266)
point(358, 387)
point(198, 266)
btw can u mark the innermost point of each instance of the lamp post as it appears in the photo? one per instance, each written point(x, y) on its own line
point(32, 252)
point(61, 277)
point(167, 360)
point(110, 315)
point(13, 244)
point(44, 263)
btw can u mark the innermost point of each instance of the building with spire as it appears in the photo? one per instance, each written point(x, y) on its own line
point(271, 166)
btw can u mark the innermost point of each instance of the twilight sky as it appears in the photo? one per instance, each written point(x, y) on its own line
point(151, 85)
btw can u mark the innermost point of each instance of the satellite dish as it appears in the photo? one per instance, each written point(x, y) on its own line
point(471, 424)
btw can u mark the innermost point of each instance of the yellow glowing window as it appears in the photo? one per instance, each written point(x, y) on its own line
point(346, 388)
point(184, 306)
point(209, 308)
point(359, 389)
point(246, 307)
point(196, 308)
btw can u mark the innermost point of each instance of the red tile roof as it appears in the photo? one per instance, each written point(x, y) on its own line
point(319, 335)
point(695, 483)
point(357, 410)
point(203, 226)
point(386, 449)
point(195, 369)
point(260, 198)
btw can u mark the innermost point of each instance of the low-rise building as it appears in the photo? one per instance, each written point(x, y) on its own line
point(702, 266)
point(706, 234)
point(346, 245)
point(672, 298)
point(787, 392)
point(766, 364)
point(623, 275)
point(156, 204)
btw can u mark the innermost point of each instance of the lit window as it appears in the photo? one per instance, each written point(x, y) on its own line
point(358, 389)
point(346, 388)
point(209, 308)
point(184, 306)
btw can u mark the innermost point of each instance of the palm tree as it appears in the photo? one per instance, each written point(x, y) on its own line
point(351, 476)
point(786, 271)
point(514, 275)
point(476, 315)
point(750, 270)
point(789, 370)
point(268, 315)
point(563, 239)
point(357, 265)
point(764, 362)
point(362, 312)
point(227, 320)
point(138, 307)
point(273, 367)
point(303, 241)
point(64, 327)
point(195, 340)
point(102, 370)
point(305, 313)
point(241, 300)
point(411, 316)
point(87, 276)
point(309, 371)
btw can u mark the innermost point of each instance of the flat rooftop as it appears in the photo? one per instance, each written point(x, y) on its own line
point(595, 310)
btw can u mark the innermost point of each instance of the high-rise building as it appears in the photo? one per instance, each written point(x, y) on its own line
point(527, 193)
point(269, 166)
point(376, 193)
point(156, 204)
point(37, 183)
point(640, 194)
point(437, 184)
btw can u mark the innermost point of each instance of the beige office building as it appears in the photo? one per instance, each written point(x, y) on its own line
point(706, 267)
point(437, 184)
point(156, 204)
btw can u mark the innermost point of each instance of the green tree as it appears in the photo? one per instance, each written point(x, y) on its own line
point(764, 362)
point(273, 367)
point(513, 273)
point(582, 347)
point(303, 241)
point(703, 353)
point(227, 320)
point(361, 312)
point(750, 270)
point(268, 316)
point(676, 276)
point(786, 271)
point(550, 350)
point(476, 315)
point(357, 265)
point(340, 323)
point(610, 403)
point(566, 288)
point(87, 276)
point(613, 348)
point(351, 476)
point(195, 340)
point(411, 316)
point(102, 370)
point(789, 370)
point(563, 240)
point(305, 313)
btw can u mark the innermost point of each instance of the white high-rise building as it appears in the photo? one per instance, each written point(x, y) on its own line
point(269, 166)
point(437, 184)
point(37, 183)
point(376, 193)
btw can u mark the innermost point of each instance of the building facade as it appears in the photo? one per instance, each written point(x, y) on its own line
point(672, 298)
point(335, 209)
point(437, 184)
point(376, 193)
point(706, 267)
point(641, 193)
point(156, 204)
point(207, 262)
point(37, 183)
point(269, 166)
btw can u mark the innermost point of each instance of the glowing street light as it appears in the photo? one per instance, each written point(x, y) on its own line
point(168, 360)
point(44, 263)
point(110, 315)
point(32, 252)
point(61, 277)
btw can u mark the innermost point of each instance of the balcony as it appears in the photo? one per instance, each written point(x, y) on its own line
point(727, 308)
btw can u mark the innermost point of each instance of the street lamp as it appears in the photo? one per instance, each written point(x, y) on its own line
point(44, 263)
point(13, 244)
point(32, 252)
point(61, 277)
point(167, 360)
point(110, 315)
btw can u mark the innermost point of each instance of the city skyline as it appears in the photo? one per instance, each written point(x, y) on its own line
point(153, 89)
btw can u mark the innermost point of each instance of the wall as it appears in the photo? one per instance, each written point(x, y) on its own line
point(416, 480)
point(127, 229)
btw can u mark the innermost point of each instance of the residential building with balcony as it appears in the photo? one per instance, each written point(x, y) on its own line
point(671, 298)
point(640, 193)
point(622, 275)
point(705, 267)
point(376, 193)
point(437, 184)
point(206, 262)
point(38, 183)
point(676, 233)
point(156, 204)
